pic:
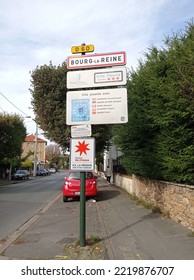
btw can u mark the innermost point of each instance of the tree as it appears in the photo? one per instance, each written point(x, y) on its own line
point(49, 101)
point(48, 91)
point(158, 140)
point(12, 135)
point(52, 154)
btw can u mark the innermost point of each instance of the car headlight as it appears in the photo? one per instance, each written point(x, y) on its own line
point(67, 184)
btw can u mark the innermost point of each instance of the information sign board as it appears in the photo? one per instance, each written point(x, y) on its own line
point(114, 76)
point(96, 60)
point(82, 154)
point(100, 106)
point(83, 130)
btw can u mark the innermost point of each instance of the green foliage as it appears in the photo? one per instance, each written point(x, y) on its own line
point(12, 135)
point(158, 139)
point(48, 91)
point(27, 163)
point(49, 101)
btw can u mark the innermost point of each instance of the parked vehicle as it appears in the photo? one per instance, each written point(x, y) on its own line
point(21, 175)
point(52, 170)
point(41, 172)
point(71, 186)
point(47, 171)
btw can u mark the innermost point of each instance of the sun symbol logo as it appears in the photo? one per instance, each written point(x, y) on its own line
point(82, 148)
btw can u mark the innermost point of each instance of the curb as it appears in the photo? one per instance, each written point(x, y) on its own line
point(16, 234)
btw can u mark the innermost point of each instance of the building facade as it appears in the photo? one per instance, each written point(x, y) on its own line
point(29, 146)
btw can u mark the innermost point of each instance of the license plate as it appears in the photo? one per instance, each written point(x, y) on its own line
point(77, 193)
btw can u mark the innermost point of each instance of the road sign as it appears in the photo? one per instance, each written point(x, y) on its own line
point(114, 76)
point(84, 130)
point(82, 49)
point(82, 154)
point(96, 60)
point(100, 106)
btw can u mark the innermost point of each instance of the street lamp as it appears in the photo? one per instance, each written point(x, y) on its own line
point(35, 151)
point(35, 146)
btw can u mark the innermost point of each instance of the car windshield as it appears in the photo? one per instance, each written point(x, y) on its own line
point(76, 175)
point(20, 171)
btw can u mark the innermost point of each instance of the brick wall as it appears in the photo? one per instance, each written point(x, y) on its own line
point(174, 200)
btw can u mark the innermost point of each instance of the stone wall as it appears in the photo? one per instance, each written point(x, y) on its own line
point(175, 200)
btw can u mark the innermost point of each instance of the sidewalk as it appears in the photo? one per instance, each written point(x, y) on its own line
point(4, 182)
point(116, 229)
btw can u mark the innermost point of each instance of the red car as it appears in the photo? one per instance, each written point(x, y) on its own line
point(71, 186)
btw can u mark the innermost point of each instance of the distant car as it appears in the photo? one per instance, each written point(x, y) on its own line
point(41, 172)
point(21, 175)
point(47, 171)
point(71, 186)
point(52, 170)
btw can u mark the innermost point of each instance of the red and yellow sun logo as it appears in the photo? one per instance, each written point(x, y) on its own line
point(82, 147)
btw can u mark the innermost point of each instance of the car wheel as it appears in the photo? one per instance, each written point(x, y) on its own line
point(65, 198)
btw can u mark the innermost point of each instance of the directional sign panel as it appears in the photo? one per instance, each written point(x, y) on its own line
point(114, 76)
point(100, 106)
point(82, 154)
point(96, 60)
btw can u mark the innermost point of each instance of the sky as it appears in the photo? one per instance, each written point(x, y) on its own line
point(33, 33)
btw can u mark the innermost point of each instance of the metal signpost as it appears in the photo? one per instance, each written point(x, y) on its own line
point(82, 208)
point(97, 106)
point(82, 158)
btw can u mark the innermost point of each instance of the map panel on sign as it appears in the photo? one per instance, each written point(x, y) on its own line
point(80, 110)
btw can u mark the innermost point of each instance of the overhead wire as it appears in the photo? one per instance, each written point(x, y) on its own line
point(1, 109)
point(12, 104)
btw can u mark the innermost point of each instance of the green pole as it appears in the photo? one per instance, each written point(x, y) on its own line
point(82, 208)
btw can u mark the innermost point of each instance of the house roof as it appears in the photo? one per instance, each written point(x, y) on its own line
point(31, 138)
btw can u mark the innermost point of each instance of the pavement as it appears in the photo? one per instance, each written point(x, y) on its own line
point(116, 229)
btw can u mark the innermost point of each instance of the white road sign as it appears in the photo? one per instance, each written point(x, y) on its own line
point(114, 76)
point(82, 154)
point(100, 106)
point(83, 130)
point(96, 60)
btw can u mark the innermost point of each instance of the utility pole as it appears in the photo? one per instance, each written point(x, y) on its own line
point(35, 146)
point(35, 150)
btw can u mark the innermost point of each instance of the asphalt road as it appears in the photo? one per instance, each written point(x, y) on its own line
point(125, 230)
point(19, 202)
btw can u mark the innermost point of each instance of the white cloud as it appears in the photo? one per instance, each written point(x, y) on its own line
point(36, 32)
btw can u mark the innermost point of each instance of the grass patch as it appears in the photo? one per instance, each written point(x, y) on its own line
point(145, 204)
point(93, 250)
point(166, 214)
point(191, 234)
point(93, 240)
point(90, 241)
